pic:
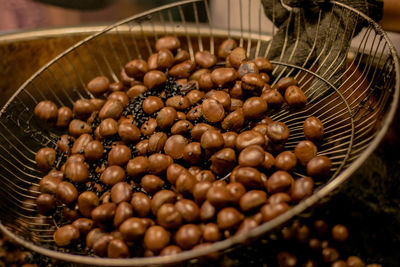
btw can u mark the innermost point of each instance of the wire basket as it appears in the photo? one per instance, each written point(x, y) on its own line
point(357, 103)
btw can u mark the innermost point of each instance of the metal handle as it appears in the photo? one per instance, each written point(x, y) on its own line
point(287, 7)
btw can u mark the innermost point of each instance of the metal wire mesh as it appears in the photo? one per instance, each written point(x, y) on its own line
point(362, 95)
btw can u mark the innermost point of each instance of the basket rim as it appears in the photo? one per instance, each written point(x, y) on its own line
point(237, 239)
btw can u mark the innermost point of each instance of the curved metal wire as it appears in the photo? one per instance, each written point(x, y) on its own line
point(357, 113)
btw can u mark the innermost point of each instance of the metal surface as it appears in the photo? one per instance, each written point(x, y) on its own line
point(23, 53)
point(356, 113)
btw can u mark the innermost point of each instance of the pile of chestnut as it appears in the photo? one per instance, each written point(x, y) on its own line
point(177, 155)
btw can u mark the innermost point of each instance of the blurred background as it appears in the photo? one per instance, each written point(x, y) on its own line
point(19, 15)
point(31, 14)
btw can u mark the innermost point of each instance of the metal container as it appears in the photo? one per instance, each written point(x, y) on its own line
point(356, 104)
